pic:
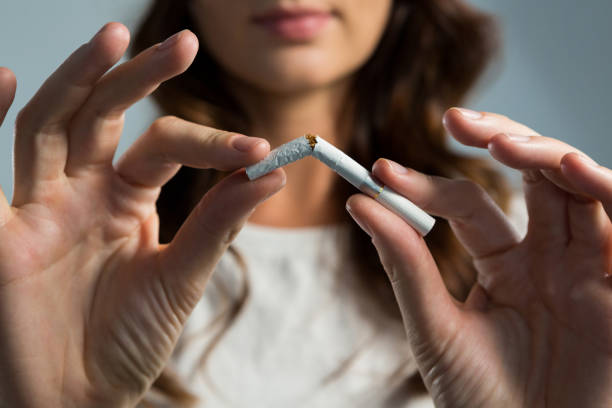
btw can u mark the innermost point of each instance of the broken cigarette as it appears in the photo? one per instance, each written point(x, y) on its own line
point(349, 169)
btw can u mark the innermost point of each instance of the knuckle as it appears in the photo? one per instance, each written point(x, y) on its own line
point(31, 123)
point(497, 137)
point(429, 198)
point(232, 234)
point(32, 120)
point(162, 125)
point(218, 138)
point(156, 139)
point(212, 227)
point(392, 272)
point(219, 235)
point(473, 198)
point(23, 120)
point(102, 109)
point(469, 188)
point(532, 176)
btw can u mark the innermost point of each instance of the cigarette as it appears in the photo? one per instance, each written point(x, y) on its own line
point(350, 170)
point(281, 156)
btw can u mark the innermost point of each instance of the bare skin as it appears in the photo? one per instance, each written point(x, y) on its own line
point(536, 330)
point(288, 88)
point(92, 305)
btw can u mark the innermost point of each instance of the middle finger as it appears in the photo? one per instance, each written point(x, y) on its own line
point(552, 214)
point(477, 221)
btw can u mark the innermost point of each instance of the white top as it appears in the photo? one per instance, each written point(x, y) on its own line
point(300, 325)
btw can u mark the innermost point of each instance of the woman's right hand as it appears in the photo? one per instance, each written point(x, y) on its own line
point(90, 304)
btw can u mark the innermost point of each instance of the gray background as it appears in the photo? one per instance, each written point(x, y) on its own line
point(553, 74)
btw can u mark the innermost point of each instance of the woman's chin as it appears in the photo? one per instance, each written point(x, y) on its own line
point(291, 85)
point(293, 79)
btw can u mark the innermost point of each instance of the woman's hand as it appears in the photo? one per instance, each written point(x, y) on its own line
point(91, 304)
point(536, 329)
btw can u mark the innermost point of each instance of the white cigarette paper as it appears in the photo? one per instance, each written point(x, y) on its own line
point(350, 170)
point(288, 153)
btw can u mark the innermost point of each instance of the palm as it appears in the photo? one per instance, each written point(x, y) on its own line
point(86, 279)
point(533, 342)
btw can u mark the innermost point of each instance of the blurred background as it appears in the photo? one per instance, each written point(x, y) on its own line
point(553, 73)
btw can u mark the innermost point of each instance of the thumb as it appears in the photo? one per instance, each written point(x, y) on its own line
point(188, 261)
point(428, 311)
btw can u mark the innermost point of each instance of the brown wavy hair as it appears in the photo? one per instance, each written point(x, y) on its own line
point(430, 55)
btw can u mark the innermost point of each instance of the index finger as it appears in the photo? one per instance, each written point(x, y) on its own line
point(476, 129)
point(171, 142)
point(589, 178)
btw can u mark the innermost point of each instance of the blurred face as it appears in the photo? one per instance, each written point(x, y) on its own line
point(290, 45)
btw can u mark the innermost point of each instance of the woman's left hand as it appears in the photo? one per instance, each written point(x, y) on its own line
point(536, 329)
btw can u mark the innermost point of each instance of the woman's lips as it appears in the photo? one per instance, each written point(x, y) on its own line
point(294, 25)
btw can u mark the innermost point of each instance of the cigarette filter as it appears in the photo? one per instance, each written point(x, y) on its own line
point(350, 170)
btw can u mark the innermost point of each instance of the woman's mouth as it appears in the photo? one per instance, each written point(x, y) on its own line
point(295, 24)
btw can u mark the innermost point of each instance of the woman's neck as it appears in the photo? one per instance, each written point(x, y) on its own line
point(307, 199)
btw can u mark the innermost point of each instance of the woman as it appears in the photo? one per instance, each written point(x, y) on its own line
point(93, 306)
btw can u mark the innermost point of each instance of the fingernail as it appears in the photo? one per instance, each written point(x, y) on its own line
point(517, 138)
point(469, 114)
point(396, 167)
point(359, 222)
point(169, 42)
point(245, 144)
